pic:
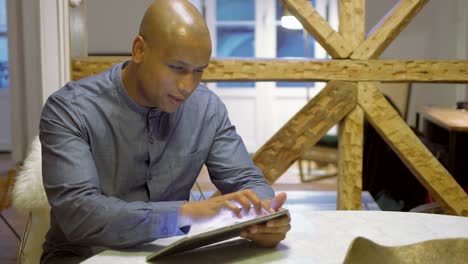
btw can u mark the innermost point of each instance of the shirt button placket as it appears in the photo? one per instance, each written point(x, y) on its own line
point(151, 115)
point(149, 177)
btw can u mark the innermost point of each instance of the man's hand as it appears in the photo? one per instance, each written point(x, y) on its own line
point(237, 202)
point(271, 233)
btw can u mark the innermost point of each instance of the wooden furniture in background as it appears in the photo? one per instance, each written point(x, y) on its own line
point(6, 186)
point(350, 95)
point(453, 120)
point(449, 128)
point(324, 159)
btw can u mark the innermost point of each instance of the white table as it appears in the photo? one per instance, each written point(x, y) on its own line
point(316, 237)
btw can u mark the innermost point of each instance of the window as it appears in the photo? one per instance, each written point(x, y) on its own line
point(292, 43)
point(252, 28)
point(4, 74)
point(235, 32)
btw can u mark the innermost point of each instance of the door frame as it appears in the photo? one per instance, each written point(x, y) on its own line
point(39, 63)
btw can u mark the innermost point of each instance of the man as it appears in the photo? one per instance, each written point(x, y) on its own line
point(121, 150)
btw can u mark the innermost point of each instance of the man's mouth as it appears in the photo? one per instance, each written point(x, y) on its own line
point(177, 100)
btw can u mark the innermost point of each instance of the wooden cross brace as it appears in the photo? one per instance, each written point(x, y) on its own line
point(322, 112)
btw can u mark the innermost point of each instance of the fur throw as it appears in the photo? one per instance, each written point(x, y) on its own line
point(28, 191)
point(29, 197)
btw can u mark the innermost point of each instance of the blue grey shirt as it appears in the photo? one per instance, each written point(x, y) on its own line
point(116, 173)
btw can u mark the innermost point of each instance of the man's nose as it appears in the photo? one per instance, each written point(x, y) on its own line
point(187, 84)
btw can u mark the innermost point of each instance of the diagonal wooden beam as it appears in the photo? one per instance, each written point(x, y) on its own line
point(306, 128)
point(318, 27)
point(427, 169)
point(353, 22)
point(351, 129)
point(388, 29)
point(449, 71)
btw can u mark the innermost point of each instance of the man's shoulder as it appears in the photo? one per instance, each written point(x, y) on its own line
point(203, 103)
point(203, 95)
point(203, 89)
point(87, 88)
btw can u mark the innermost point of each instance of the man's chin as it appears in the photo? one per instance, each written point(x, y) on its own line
point(169, 109)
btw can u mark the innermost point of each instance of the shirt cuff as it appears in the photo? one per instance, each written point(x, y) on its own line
point(166, 219)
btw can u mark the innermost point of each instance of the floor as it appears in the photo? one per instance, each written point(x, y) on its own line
point(9, 243)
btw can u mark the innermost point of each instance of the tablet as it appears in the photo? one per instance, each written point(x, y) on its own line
point(190, 242)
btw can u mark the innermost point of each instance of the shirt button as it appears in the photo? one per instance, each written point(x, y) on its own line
point(153, 113)
point(163, 230)
point(150, 177)
point(151, 140)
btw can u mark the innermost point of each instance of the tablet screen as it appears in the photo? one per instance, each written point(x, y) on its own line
point(202, 238)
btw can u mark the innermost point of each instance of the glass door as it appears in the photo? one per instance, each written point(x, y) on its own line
point(5, 125)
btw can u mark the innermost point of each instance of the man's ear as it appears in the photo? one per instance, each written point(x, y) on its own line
point(138, 49)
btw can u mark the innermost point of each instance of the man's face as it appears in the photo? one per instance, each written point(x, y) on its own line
point(170, 72)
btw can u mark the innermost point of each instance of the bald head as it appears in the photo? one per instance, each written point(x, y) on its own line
point(168, 20)
point(168, 56)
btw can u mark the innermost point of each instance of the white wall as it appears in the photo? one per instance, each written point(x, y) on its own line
point(115, 24)
point(433, 34)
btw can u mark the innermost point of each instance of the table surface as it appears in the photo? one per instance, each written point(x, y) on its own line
point(450, 119)
point(315, 237)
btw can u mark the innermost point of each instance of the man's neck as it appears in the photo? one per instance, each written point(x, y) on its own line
point(130, 83)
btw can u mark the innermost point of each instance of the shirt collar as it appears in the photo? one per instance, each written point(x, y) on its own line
point(117, 79)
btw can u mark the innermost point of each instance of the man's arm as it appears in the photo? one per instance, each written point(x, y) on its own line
point(71, 181)
point(231, 169)
point(229, 164)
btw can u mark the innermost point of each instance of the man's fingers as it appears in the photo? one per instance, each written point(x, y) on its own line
point(255, 201)
point(247, 199)
point(264, 240)
point(263, 229)
point(281, 221)
point(241, 202)
point(233, 208)
point(278, 201)
point(266, 205)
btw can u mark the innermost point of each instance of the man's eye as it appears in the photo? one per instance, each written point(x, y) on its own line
point(199, 70)
point(174, 67)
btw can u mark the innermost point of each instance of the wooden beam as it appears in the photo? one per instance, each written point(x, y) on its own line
point(427, 169)
point(350, 141)
point(448, 71)
point(305, 129)
point(87, 66)
point(350, 153)
point(318, 27)
point(388, 29)
point(353, 22)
